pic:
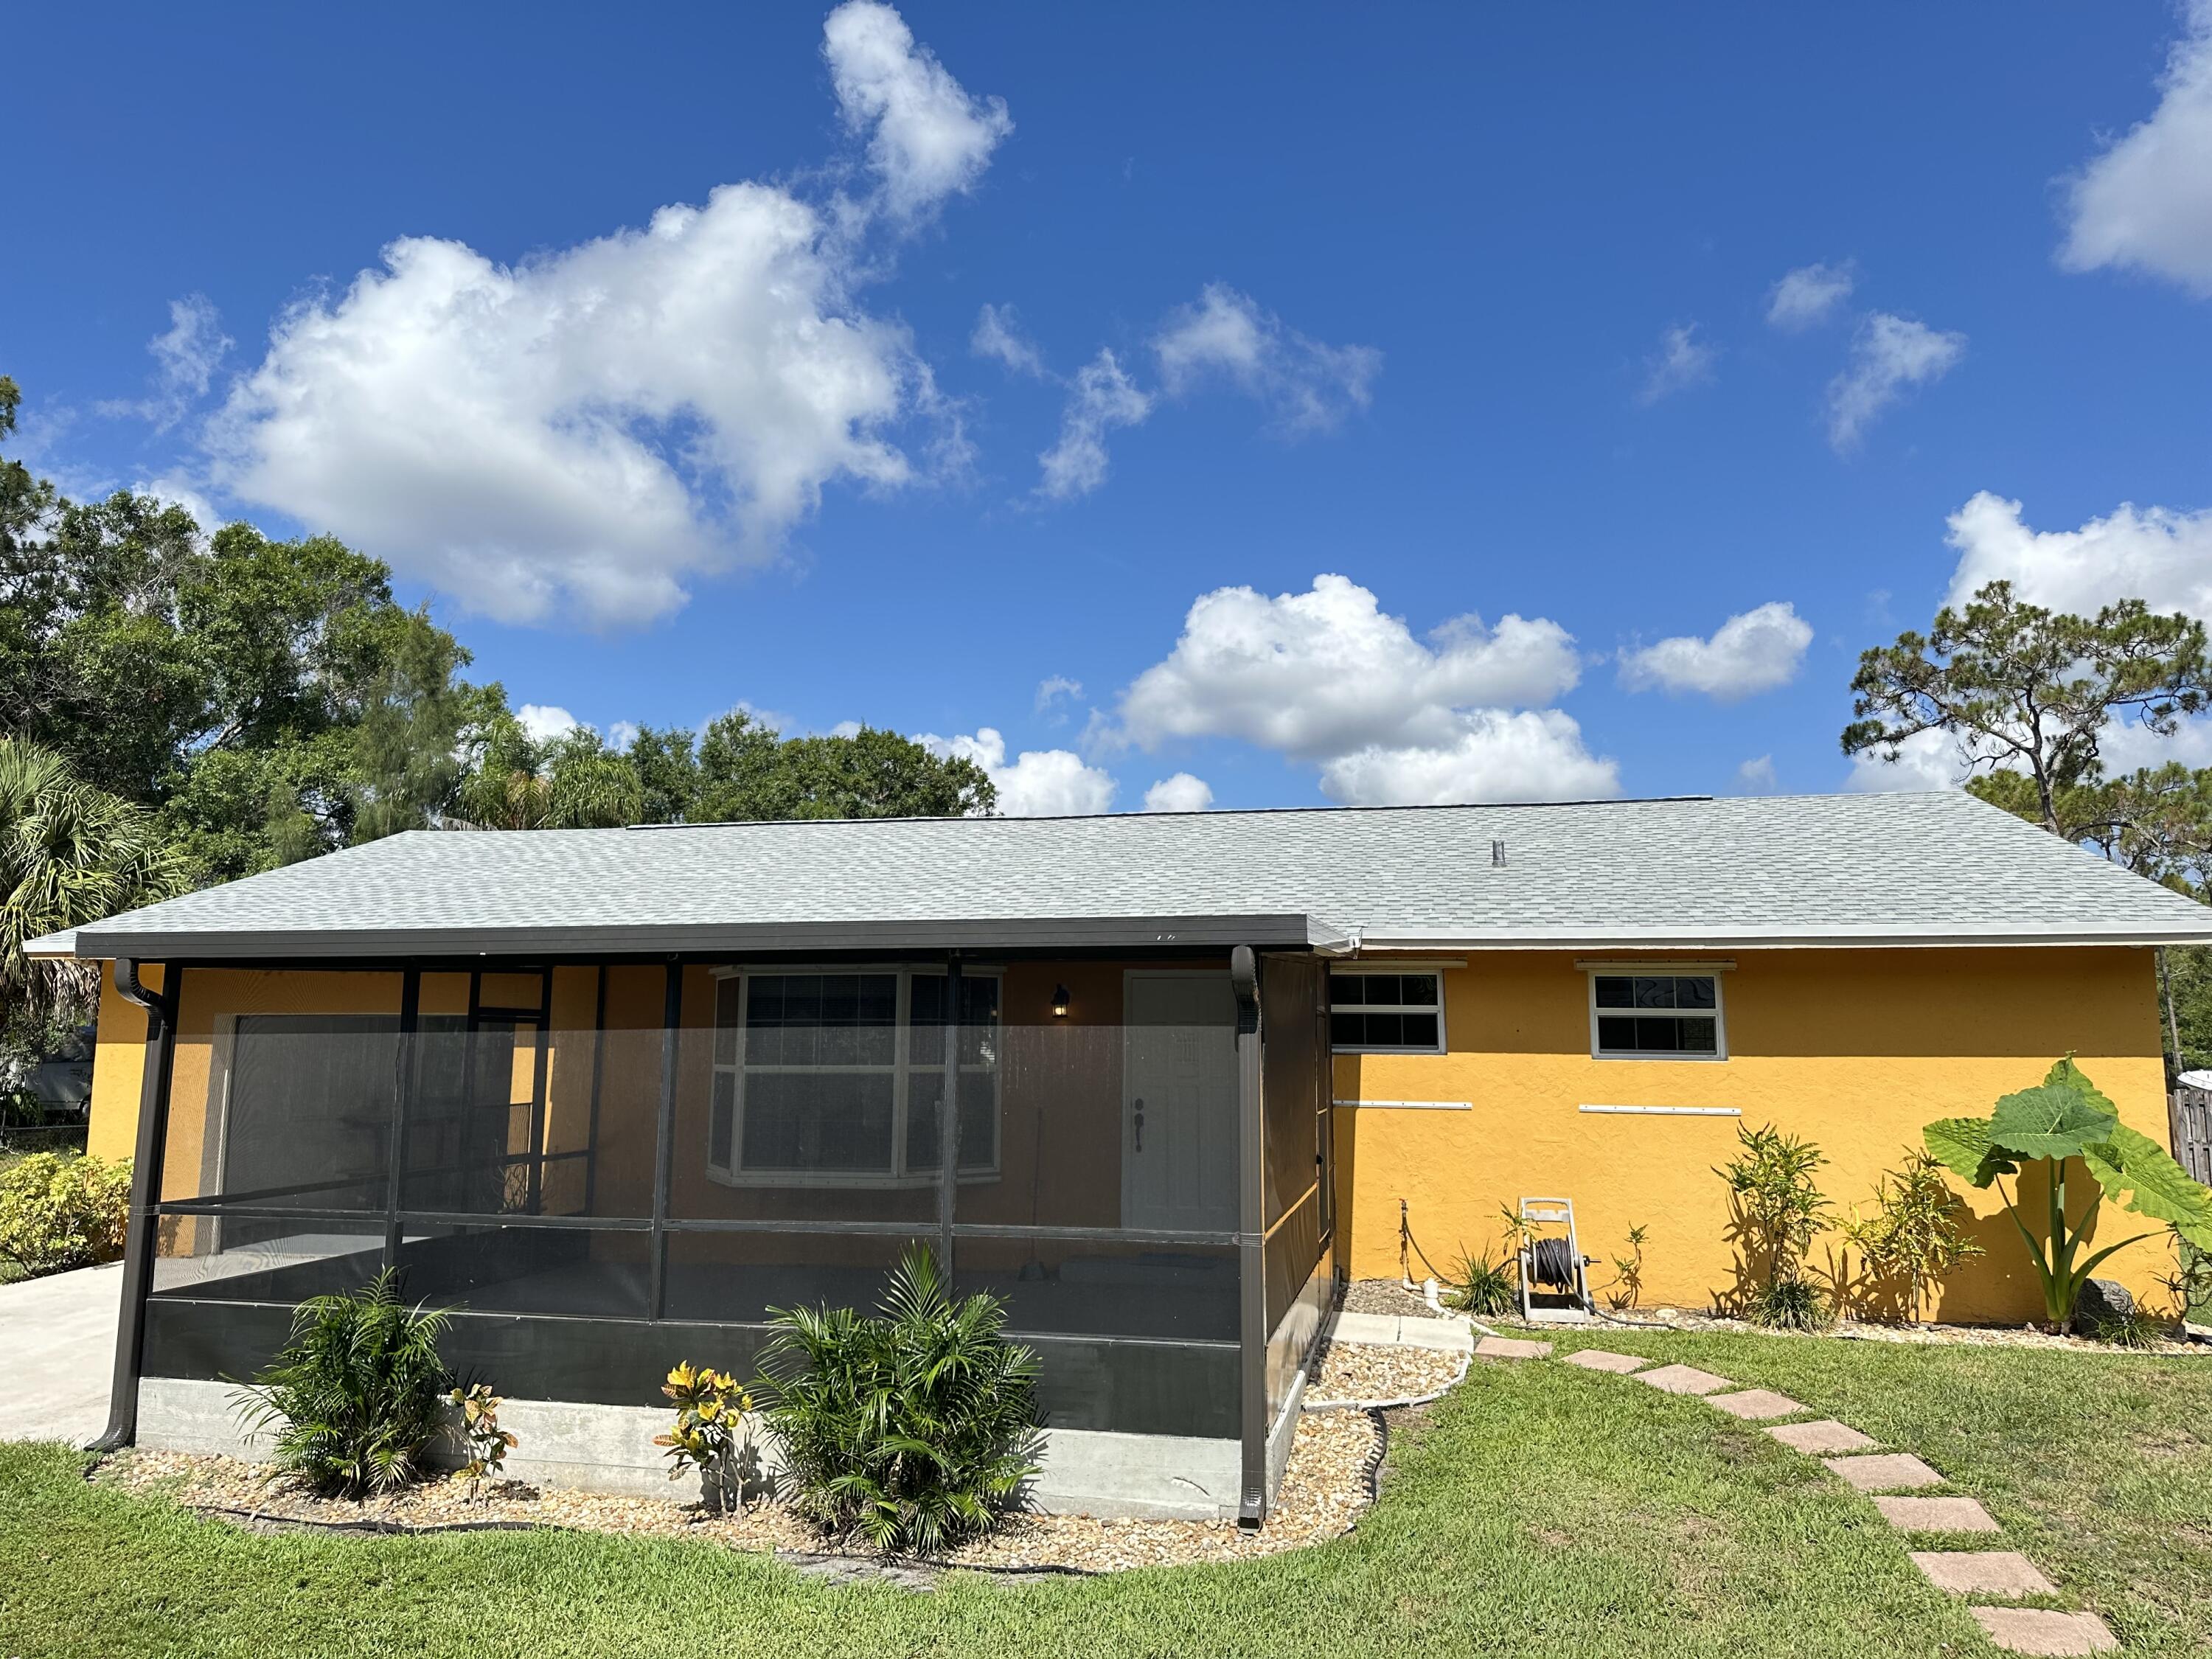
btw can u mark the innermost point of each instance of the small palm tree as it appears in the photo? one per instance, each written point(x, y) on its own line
point(70, 854)
point(571, 781)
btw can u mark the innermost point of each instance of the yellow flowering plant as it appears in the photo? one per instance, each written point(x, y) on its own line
point(709, 1435)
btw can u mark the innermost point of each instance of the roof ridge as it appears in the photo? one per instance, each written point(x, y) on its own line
point(1218, 812)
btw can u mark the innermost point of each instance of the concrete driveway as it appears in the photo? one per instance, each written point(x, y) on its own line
point(57, 1350)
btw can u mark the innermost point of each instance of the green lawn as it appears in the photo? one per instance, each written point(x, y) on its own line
point(1543, 1511)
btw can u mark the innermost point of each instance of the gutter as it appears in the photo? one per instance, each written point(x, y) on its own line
point(140, 1236)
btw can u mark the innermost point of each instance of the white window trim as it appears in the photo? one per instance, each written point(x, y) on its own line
point(898, 1177)
point(1594, 971)
point(1361, 971)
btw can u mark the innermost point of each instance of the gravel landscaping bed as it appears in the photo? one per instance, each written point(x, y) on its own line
point(1361, 1370)
point(1323, 1490)
point(1386, 1296)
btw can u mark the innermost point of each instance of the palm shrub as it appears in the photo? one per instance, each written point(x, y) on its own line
point(2065, 1123)
point(912, 1430)
point(352, 1401)
point(1777, 1210)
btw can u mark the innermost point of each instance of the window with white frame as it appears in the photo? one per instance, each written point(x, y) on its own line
point(1656, 1016)
point(1386, 1013)
point(836, 1078)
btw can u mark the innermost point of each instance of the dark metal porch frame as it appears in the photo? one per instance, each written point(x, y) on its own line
point(147, 1208)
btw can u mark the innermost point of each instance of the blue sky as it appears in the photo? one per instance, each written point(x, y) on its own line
point(1471, 310)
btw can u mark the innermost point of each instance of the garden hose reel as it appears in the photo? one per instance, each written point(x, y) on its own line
point(1554, 1288)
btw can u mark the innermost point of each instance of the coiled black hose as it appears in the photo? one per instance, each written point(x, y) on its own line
point(1551, 1262)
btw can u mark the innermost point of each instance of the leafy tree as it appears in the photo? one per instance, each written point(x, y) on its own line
point(743, 769)
point(748, 770)
point(2027, 689)
point(667, 773)
point(2156, 821)
point(2068, 1121)
point(271, 699)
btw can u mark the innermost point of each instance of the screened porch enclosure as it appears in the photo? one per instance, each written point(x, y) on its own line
point(604, 1168)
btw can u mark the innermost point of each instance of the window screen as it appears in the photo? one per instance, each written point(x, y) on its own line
point(1657, 1015)
point(1386, 1012)
point(839, 1077)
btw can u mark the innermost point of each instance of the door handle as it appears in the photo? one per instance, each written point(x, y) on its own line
point(1140, 1123)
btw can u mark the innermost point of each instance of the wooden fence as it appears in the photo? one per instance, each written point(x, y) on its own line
point(2189, 1113)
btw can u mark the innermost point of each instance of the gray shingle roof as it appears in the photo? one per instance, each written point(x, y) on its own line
point(1811, 869)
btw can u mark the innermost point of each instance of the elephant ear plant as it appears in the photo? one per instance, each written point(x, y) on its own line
point(2064, 1121)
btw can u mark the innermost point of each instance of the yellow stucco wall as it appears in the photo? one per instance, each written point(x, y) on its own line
point(1854, 1049)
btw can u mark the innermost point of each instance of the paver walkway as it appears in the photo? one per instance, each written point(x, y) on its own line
point(1852, 1457)
point(1856, 1459)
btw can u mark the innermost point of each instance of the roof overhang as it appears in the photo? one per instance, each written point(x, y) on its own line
point(379, 944)
point(1842, 940)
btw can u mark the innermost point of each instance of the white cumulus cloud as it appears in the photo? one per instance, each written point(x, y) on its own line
point(580, 433)
point(1755, 651)
point(1807, 295)
point(1320, 673)
point(2145, 204)
point(1756, 776)
point(1681, 362)
point(543, 720)
point(1891, 356)
point(1305, 386)
point(1926, 760)
point(1039, 783)
point(1180, 793)
point(2153, 554)
point(1101, 397)
point(1535, 754)
point(927, 139)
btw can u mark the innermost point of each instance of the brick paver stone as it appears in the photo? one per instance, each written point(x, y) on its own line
point(2038, 1630)
point(1983, 1572)
point(1683, 1379)
point(1597, 1359)
point(1825, 1436)
point(1884, 1472)
point(1755, 1405)
point(1511, 1347)
point(1936, 1515)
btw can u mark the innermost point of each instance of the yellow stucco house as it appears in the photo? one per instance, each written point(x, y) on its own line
point(614, 1094)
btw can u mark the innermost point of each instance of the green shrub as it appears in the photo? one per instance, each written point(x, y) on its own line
point(1776, 1211)
point(58, 1213)
point(352, 1401)
point(1787, 1304)
point(1484, 1287)
point(911, 1430)
point(1917, 1236)
point(2138, 1328)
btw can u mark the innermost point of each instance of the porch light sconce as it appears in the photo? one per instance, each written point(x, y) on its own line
point(1060, 1002)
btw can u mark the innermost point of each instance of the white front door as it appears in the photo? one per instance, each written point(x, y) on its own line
point(1179, 1102)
